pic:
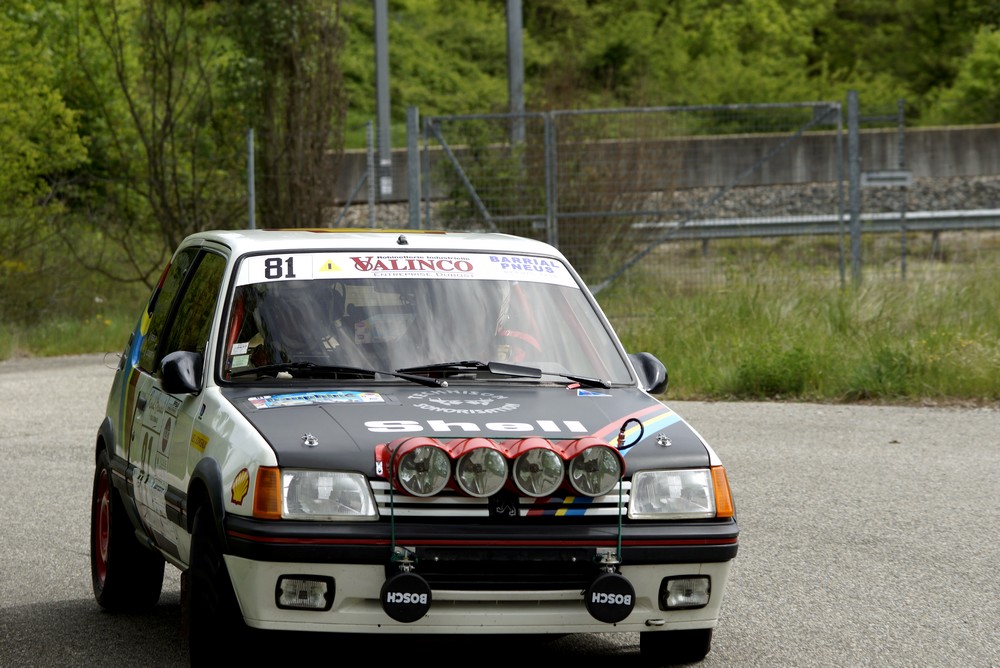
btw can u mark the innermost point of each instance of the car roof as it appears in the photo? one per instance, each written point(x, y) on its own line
point(397, 240)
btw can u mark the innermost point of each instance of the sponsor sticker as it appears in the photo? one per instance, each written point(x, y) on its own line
point(241, 485)
point(310, 266)
point(309, 398)
point(198, 441)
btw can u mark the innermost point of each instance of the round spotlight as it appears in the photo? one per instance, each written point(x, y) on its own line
point(481, 472)
point(538, 469)
point(595, 470)
point(421, 467)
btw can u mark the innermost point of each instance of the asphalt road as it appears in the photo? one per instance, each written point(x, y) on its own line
point(870, 537)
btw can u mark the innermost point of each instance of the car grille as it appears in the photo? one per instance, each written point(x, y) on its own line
point(451, 504)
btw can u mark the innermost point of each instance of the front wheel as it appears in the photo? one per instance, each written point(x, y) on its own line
point(214, 616)
point(669, 648)
point(126, 575)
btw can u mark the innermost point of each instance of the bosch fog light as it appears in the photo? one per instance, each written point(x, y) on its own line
point(596, 470)
point(680, 593)
point(539, 470)
point(423, 470)
point(481, 472)
point(325, 495)
point(304, 592)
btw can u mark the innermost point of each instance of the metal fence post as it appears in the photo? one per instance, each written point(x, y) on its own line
point(251, 196)
point(371, 174)
point(425, 173)
point(413, 166)
point(854, 182)
point(901, 130)
point(549, 137)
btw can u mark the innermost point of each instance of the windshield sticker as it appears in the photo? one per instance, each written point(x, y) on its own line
point(308, 398)
point(482, 266)
point(240, 361)
point(239, 348)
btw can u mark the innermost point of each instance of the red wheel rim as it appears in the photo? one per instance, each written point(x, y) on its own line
point(102, 525)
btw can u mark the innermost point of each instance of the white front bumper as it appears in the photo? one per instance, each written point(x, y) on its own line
point(356, 607)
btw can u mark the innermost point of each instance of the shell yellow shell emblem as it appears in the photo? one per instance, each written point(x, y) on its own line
point(241, 485)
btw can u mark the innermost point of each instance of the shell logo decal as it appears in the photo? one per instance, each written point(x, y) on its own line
point(241, 485)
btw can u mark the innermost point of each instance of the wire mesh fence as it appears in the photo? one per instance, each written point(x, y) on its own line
point(700, 197)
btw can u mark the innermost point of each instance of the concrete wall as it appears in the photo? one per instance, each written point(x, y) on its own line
point(713, 161)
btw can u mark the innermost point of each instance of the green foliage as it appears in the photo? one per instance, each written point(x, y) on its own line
point(975, 96)
point(288, 75)
point(39, 146)
point(449, 57)
point(168, 160)
point(37, 130)
point(770, 372)
point(784, 334)
point(445, 57)
point(99, 327)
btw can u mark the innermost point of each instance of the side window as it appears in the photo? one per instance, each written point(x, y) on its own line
point(160, 302)
point(189, 330)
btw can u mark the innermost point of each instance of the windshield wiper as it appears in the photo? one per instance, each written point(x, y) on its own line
point(586, 381)
point(311, 370)
point(503, 369)
point(496, 368)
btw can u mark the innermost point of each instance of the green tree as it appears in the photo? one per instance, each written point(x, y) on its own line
point(289, 81)
point(38, 148)
point(975, 95)
point(913, 49)
point(168, 160)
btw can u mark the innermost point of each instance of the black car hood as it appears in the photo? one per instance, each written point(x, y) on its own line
point(339, 428)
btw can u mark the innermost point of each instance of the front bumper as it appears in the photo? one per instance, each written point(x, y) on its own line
point(357, 608)
point(532, 580)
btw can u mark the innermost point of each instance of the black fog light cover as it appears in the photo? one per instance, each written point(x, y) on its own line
point(610, 598)
point(406, 597)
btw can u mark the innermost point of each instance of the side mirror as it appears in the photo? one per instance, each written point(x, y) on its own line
point(180, 372)
point(652, 372)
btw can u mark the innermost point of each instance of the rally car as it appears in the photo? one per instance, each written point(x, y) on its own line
point(389, 432)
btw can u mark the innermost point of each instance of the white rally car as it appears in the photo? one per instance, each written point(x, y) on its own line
point(397, 432)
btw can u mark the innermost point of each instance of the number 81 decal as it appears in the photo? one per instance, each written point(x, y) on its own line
point(275, 268)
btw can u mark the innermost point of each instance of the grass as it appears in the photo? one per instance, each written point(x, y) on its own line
point(103, 332)
point(792, 338)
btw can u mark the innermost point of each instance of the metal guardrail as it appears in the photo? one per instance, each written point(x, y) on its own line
point(817, 225)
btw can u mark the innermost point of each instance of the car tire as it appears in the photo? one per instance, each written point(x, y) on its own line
point(670, 648)
point(214, 614)
point(126, 575)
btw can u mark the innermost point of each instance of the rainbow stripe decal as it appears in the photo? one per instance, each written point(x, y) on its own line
point(653, 418)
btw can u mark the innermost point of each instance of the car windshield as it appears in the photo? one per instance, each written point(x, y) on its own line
point(354, 316)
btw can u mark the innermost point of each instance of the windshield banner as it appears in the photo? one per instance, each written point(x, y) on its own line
point(318, 266)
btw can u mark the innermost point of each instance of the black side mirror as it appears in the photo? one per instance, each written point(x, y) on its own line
point(180, 372)
point(652, 372)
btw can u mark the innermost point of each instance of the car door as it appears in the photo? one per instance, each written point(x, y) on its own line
point(181, 319)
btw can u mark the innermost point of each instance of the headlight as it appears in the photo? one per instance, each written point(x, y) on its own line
point(677, 495)
point(325, 495)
